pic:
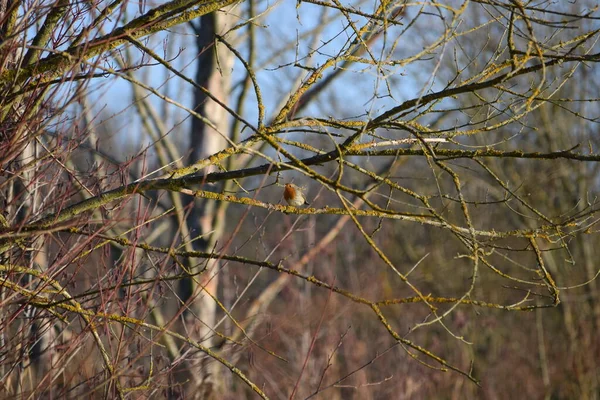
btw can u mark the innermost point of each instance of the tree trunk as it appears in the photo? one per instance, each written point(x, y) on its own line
point(22, 200)
point(213, 71)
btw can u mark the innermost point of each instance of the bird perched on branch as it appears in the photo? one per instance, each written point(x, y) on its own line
point(294, 195)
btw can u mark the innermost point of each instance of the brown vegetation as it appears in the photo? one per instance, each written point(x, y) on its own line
point(449, 156)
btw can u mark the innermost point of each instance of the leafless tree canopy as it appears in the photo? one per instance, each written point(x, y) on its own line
point(448, 150)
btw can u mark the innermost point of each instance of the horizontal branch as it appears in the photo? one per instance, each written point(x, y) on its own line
point(183, 184)
point(448, 153)
point(175, 12)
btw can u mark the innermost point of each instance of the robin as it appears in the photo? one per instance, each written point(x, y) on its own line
point(294, 195)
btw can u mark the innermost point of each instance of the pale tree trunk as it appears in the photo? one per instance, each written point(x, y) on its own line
point(8, 57)
point(41, 332)
point(22, 198)
point(214, 68)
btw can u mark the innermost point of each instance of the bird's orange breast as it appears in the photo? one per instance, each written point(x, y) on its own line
point(289, 192)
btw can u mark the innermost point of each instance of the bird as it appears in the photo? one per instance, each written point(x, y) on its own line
point(294, 195)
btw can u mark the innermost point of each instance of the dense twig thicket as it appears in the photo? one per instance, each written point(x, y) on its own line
point(448, 150)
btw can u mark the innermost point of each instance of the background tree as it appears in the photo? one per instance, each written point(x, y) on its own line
point(447, 151)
